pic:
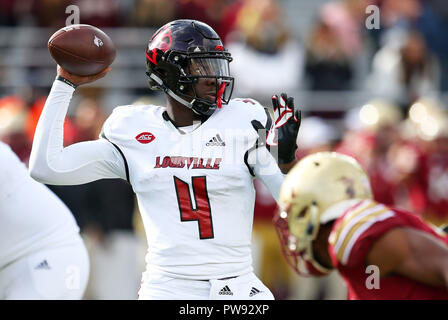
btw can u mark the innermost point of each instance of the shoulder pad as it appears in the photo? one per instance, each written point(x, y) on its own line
point(127, 117)
point(355, 223)
point(252, 109)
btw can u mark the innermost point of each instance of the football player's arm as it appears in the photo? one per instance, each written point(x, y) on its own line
point(260, 161)
point(79, 163)
point(265, 168)
point(413, 254)
point(285, 167)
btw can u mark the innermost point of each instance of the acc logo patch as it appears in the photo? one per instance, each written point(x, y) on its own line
point(145, 137)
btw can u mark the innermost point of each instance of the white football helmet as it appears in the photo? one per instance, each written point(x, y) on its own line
point(315, 184)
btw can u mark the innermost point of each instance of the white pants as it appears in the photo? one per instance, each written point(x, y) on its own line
point(52, 273)
point(245, 287)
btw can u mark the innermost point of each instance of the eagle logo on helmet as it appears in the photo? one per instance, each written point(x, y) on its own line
point(349, 190)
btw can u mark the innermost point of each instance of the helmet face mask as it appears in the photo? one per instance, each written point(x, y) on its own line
point(304, 225)
point(307, 198)
point(297, 230)
point(185, 56)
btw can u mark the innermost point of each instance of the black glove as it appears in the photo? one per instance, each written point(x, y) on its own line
point(283, 130)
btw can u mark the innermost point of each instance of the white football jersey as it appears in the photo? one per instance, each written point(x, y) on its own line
point(31, 216)
point(195, 190)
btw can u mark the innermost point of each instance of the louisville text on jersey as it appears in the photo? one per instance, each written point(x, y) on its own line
point(188, 162)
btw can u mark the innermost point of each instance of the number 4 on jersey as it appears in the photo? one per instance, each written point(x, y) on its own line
point(202, 213)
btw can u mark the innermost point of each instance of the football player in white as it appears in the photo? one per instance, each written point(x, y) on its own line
point(42, 255)
point(191, 163)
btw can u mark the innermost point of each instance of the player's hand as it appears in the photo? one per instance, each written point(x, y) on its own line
point(79, 80)
point(285, 127)
point(282, 133)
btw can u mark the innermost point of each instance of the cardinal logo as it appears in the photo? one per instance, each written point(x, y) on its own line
point(145, 137)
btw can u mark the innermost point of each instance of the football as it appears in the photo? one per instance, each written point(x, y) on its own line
point(82, 49)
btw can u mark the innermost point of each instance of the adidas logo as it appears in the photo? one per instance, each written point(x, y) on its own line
point(226, 291)
point(216, 141)
point(43, 265)
point(254, 291)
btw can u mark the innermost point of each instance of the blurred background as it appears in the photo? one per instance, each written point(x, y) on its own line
point(373, 89)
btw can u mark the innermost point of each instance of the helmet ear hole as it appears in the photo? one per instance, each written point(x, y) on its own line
point(310, 229)
point(303, 212)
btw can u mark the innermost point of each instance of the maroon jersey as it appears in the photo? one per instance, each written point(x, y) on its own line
point(352, 237)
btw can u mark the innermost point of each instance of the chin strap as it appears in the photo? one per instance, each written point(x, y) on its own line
point(221, 90)
point(184, 102)
point(171, 93)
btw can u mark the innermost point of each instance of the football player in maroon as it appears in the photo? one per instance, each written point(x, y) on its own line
point(328, 220)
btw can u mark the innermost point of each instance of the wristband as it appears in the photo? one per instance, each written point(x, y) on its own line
point(71, 84)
